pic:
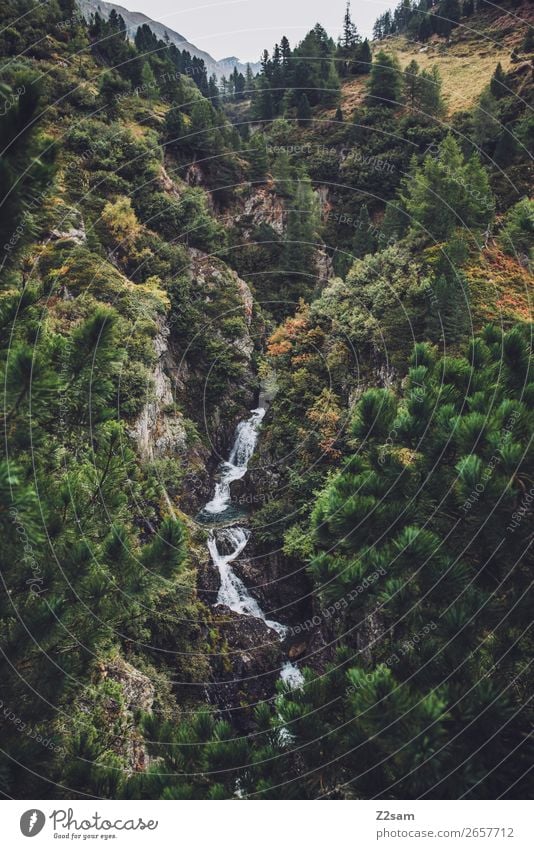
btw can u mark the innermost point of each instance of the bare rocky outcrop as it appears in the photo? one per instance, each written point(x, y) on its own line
point(159, 431)
point(137, 687)
point(138, 694)
point(72, 227)
point(262, 206)
point(324, 265)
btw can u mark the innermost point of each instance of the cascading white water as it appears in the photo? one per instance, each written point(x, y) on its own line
point(233, 592)
point(236, 467)
point(292, 675)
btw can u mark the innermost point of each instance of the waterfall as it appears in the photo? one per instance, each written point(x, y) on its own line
point(236, 467)
point(291, 675)
point(233, 539)
point(233, 593)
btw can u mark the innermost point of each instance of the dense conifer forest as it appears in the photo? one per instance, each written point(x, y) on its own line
point(267, 482)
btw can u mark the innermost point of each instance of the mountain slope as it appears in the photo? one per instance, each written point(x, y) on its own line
point(133, 20)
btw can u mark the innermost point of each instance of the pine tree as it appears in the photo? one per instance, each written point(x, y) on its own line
point(507, 147)
point(411, 83)
point(304, 112)
point(249, 81)
point(365, 58)
point(349, 45)
point(112, 86)
point(363, 241)
point(285, 51)
point(257, 155)
point(448, 312)
point(528, 43)
point(429, 97)
point(239, 85)
point(350, 33)
point(26, 164)
point(283, 174)
point(414, 563)
point(448, 18)
point(486, 121)
point(498, 86)
point(394, 224)
point(425, 29)
point(213, 92)
point(448, 193)
point(202, 132)
point(266, 65)
point(385, 81)
point(149, 86)
point(313, 68)
point(517, 235)
point(264, 102)
point(300, 237)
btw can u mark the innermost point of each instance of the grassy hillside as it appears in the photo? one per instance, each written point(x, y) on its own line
point(466, 60)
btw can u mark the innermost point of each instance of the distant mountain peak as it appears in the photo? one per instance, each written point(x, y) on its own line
point(133, 20)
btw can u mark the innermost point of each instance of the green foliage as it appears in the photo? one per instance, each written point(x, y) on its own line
point(528, 43)
point(498, 86)
point(394, 514)
point(395, 534)
point(517, 234)
point(26, 165)
point(187, 219)
point(300, 239)
point(385, 81)
point(304, 112)
point(403, 501)
point(289, 76)
point(364, 239)
point(448, 192)
point(486, 121)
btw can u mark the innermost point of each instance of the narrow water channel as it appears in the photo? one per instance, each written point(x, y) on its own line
point(232, 538)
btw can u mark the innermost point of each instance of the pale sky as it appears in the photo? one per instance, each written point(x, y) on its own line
point(243, 28)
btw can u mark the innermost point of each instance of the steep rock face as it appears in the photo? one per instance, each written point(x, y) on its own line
point(138, 694)
point(262, 206)
point(156, 432)
point(279, 583)
point(228, 298)
point(70, 225)
point(324, 265)
point(208, 579)
point(180, 379)
point(138, 689)
point(246, 666)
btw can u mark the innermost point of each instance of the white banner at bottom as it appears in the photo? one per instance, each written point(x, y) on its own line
point(262, 824)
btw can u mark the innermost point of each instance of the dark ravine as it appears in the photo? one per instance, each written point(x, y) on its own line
point(258, 649)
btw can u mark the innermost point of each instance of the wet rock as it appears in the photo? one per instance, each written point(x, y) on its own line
point(247, 666)
point(297, 650)
point(208, 580)
point(280, 584)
